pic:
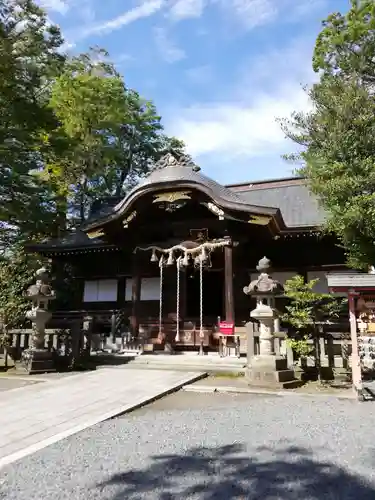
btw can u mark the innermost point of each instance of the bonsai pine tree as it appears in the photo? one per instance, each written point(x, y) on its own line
point(307, 312)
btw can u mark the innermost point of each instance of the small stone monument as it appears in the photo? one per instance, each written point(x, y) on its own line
point(266, 368)
point(38, 359)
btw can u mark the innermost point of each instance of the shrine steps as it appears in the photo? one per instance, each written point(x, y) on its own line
point(185, 362)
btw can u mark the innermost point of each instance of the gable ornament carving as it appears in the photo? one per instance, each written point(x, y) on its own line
point(128, 219)
point(171, 197)
point(260, 220)
point(95, 234)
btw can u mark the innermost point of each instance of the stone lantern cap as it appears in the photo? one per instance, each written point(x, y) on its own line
point(41, 289)
point(264, 285)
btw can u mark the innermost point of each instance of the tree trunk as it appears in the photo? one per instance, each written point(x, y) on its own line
point(61, 214)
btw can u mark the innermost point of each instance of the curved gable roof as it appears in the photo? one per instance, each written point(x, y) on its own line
point(183, 173)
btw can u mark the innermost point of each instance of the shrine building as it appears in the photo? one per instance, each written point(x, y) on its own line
point(175, 253)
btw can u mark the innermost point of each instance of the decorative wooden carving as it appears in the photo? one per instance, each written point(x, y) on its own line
point(172, 160)
point(171, 197)
point(199, 235)
point(95, 234)
point(260, 220)
point(128, 219)
point(216, 210)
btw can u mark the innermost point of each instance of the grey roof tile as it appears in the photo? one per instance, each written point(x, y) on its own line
point(298, 206)
point(176, 173)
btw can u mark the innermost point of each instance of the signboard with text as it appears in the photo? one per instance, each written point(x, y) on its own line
point(226, 328)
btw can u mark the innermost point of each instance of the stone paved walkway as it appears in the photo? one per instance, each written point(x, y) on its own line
point(38, 415)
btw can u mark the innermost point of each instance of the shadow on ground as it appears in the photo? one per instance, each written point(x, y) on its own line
point(103, 359)
point(229, 473)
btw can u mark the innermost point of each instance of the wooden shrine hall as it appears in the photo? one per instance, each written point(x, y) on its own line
point(174, 255)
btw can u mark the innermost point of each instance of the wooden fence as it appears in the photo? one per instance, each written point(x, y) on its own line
point(335, 350)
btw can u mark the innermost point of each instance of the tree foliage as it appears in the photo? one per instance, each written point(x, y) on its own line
point(71, 132)
point(17, 271)
point(307, 311)
point(29, 58)
point(338, 135)
point(114, 136)
point(346, 44)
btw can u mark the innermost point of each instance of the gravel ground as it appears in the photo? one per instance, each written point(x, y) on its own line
point(210, 447)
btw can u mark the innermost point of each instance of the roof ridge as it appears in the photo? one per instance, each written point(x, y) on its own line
point(269, 184)
point(265, 181)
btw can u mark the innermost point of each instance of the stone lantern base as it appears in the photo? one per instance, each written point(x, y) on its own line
point(37, 361)
point(271, 371)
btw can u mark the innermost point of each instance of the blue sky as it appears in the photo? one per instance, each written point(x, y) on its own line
point(219, 71)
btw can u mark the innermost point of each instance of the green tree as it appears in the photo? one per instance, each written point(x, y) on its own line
point(29, 58)
point(346, 44)
point(114, 135)
point(307, 312)
point(337, 137)
point(17, 271)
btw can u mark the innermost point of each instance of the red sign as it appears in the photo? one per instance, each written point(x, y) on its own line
point(226, 328)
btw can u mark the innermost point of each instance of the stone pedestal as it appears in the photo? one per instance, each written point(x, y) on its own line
point(37, 361)
point(271, 371)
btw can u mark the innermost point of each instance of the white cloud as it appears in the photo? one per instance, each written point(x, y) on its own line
point(248, 13)
point(184, 9)
point(145, 9)
point(200, 74)
point(253, 13)
point(58, 6)
point(234, 130)
point(244, 126)
point(168, 50)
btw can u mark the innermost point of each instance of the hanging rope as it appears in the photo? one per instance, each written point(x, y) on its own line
point(201, 334)
point(177, 337)
point(161, 261)
point(208, 246)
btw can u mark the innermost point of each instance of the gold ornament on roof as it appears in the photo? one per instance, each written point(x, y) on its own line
point(128, 219)
point(171, 197)
point(260, 220)
point(95, 234)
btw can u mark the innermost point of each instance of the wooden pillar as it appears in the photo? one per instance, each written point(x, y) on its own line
point(228, 284)
point(136, 295)
point(356, 365)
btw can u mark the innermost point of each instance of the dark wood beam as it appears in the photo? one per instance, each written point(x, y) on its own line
point(136, 295)
point(228, 283)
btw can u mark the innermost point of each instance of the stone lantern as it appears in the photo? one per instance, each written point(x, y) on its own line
point(266, 368)
point(37, 358)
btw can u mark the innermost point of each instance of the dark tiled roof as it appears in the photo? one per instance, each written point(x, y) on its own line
point(173, 171)
point(298, 206)
point(175, 174)
point(76, 239)
point(164, 176)
point(102, 208)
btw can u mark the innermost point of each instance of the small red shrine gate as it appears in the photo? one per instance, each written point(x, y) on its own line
point(360, 290)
